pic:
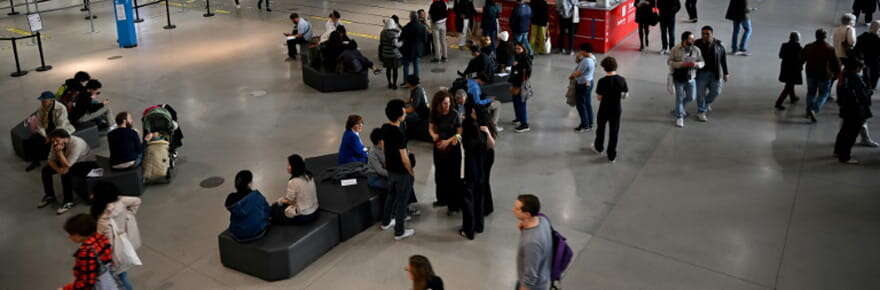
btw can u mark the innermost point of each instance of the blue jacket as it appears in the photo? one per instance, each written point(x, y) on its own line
point(248, 215)
point(473, 89)
point(351, 149)
point(520, 19)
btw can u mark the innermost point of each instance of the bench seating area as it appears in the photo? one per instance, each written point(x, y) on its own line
point(20, 133)
point(334, 82)
point(352, 203)
point(130, 182)
point(499, 88)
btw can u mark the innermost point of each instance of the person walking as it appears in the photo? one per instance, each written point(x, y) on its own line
point(844, 37)
point(93, 260)
point(115, 215)
point(438, 12)
point(301, 34)
point(738, 12)
point(684, 60)
point(645, 18)
point(534, 254)
point(389, 51)
point(422, 274)
point(540, 19)
point(519, 78)
point(489, 22)
point(610, 91)
point(400, 171)
point(691, 7)
point(477, 138)
point(413, 36)
point(464, 13)
point(865, 6)
point(868, 49)
point(520, 22)
point(569, 17)
point(791, 70)
point(445, 129)
point(583, 76)
point(854, 99)
point(822, 67)
point(712, 76)
point(668, 9)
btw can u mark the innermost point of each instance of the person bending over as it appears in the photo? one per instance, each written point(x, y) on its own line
point(71, 158)
point(89, 109)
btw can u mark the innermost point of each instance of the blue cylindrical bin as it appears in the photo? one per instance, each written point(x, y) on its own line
point(127, 37)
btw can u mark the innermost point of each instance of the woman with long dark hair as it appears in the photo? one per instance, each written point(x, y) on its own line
point(248, 210)
point(445, 130)
point(422, 274)
point(109, 208)
point(300, 204)
point(477, 138)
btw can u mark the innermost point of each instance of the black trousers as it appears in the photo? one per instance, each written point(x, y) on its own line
point(447, 176)
point(78, 171)
point(871, 74)
point(869, 15)
point(787, 92)
point(667, 33)
point(644, 30)
point(846, 138)
point(567, 30)
point(474, 196)
point(488, 205)
point(691, 7)
point(400, 187)
point(36, 148)
point(292, 44)
point(613, 121)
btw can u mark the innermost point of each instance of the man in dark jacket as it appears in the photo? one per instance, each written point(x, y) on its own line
point(854, 98)
point(738, 12)
point(464, 15)
point(822, 67)
point(866, 6)
point(480, 63)
point(540, 18)
point(413, 35)
point(489, 23)
point(438, 12)
point(668, 9)
point(711, 77)
point(520, 19)
point(868, 47)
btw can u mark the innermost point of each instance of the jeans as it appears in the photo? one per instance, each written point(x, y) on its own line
point(708, 87)
point(447, 176)
point(644, 31)
point(583, 94)
point(415, 65)
point(519, 109)
point(814, 101)
point(846, 138)
point(746, 26)
point(567, 29)
point(79, 171)
point(400, 185)
point(123, 277)
point(378, 182)
point(667, 33)
point(439, 35)
point(524, 39)
point(292, 44)
point(684, 94)
point(613, 121)
point(538, 38)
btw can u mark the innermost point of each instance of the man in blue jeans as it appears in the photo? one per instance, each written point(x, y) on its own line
point(822, 66)
point(684, 61)
point(520, 22)
point(400, 171)
point(738, 12)
point(712, 76)
point(583, 77)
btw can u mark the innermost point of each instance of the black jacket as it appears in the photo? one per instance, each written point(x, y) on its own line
point(437, 11)
point(480, 64)
point(644, 13)
point(504, 54)
point(854, 98)
point(792, 67)
point(540, 12)
point(413, 36)
point(868, 47)
point(737, 10)
point(713, 51)
point(464, 9)
point(668, 8)
point(868, 6)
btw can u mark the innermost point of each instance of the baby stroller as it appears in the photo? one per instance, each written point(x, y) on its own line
point(160, 152)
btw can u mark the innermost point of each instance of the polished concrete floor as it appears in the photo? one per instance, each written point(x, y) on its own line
point(750, 200)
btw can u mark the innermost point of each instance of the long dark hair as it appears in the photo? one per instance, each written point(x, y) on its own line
point(243, 181)
point(298, 167)
point(421, 271)
point(104, 193)
point(438, 98)
point(482, 118)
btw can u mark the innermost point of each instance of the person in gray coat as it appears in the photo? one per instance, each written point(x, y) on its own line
point(389, 50)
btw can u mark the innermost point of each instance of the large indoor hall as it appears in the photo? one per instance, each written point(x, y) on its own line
point(247, 157)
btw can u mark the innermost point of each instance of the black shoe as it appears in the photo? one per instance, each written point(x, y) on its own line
point(46, 201)
point(794, 100)
point(32, 166)
point(268, 9)
point(522, 128)
point(780, 108)
point(438, 204)
point(435, 60)
point(443, 59)
point(812, 116)
point(465, 235)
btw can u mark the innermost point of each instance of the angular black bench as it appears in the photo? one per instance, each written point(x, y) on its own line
point(354, 204)
point(334, 82)
point(130, 181)
point(20, 133)
point(284, 251)
point(499, 88)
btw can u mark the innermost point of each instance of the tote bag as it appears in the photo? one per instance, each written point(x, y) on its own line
point(124, 255)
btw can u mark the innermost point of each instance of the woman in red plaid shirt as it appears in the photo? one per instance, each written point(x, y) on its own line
point(94, 258)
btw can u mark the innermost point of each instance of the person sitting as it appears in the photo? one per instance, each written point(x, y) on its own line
point(80, 78)
point(68, 93)
point(88, 109)
point(95, 254)
point(353, 61)
point(300, 204)
point(49, 116)
point(71, 158)
point(476, 96)
point(422, 274)
point(248, 210)
point(334, 46)
point(417, 111)
point(331, 25)
point(126, 148)
point(504, 53)
point(351, 149)
point(301, 34)
point(481, 63)
point(378, 176)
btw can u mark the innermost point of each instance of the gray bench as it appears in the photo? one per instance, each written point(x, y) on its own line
point(284, 251)
point(130, 181)
point(20, 133)
point(354, 204)
point(334, 82)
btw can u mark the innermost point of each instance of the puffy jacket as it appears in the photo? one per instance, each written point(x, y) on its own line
point(520, 19)
point(389, 41)
point(737, 10)
point(248, 216)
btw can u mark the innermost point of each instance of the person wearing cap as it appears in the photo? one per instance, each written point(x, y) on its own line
point(71, 158)
point(50, 115)
point(417, 112)
point(331, 25)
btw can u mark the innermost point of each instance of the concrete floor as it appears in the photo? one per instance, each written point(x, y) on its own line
point(750, 200)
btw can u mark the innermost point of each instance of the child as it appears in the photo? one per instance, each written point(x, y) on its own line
point(610, 90)
point(94, 257)
point(378, 176)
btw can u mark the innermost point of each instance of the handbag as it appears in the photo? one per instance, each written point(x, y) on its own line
point(124, 255)
point(570, 95)
point(33, 123)
point(131, 229)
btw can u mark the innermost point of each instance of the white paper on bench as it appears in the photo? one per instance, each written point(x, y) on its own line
point(349, 182)
point(97, 172)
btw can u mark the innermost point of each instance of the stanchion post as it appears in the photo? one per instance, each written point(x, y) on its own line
point(137, 15)
point(12, 9)
point(18, 71)
point(168, 16)
point(208, 7)
point(43, 66)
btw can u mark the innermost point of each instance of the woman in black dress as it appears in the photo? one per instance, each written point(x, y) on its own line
point(445, 130)
point(790, 72)
point(477, 137)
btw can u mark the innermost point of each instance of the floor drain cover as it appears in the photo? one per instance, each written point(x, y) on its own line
point(257, 93)
point(212, 182)
point(114, 57)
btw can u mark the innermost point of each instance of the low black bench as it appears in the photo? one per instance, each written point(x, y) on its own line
point(354, 204)
point(130, 181)
point(284, 251)
point(499, 88)
point(21, 132)
point(334, 82)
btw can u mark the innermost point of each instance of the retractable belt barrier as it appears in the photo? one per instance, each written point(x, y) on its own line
point(18, 72)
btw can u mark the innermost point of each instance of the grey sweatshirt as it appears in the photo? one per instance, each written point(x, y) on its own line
point(534, 256)
point(376, 161)
point(681, 54)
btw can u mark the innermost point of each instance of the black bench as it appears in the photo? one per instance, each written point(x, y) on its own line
point(334, 82)
point(20, 133)
point(499, 88)
point(284, 251)
point(130, 181)
point(354, 204)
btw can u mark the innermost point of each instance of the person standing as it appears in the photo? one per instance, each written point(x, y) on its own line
point(583, 76)
point(400, 171)
point(489, 22)
point(691, 7)
point(50, 115)
point(738, 12)
point(413, 36)
point(445, 129)
point(519, 23)
point(540, 19)
point(569, 17)
point(854, 99)
point(684, 60)
point(389, 41)
point(866, 6)
point(844, 37)
point(519, 77)
point(822, 67)
point(610, 91)
point(646, 18)
point(114, 213)
point(422, 274)
point(791, 70)
point(868, 48)
point(438, 13)
point(668, 9)
point(535, 252)
point(352, 149)
point(477, 138)
point(71, 158)
point(712, 76)
point(301, 34)
point(464, 13)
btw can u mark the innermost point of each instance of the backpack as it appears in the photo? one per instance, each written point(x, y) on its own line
point(562, 255)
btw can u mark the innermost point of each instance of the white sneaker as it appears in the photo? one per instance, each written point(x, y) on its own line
point(869, 143)
point(385, 228)
point(679, 122)
point(499, 129)
point(406, 234)
point(64, 208)
point(702, 117)
point(851, 162)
